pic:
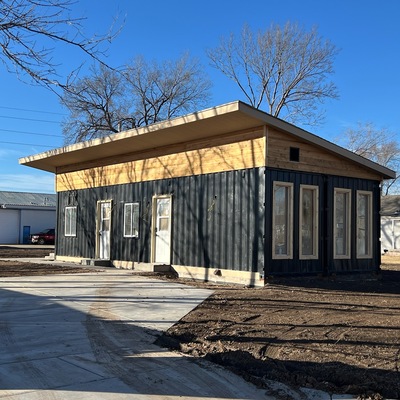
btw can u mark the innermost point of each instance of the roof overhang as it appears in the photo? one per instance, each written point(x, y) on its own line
point(230, 117)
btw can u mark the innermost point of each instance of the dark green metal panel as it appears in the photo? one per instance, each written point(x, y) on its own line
point(217, 220)
point(221, 220)
point(326, 263)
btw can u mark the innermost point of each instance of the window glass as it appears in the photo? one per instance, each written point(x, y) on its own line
point(308, 221)
point(70, 221)
point(282, 220)
point(342, 198)
point(131, 219)
point(364, 228)
point(163, 224)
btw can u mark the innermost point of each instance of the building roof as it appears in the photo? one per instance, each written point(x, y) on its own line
point(230, 117)
point(390, 205)
point(8, 199)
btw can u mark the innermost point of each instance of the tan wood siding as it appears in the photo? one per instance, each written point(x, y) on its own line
point(312, 158)
point(238, 150)
point(224, 157)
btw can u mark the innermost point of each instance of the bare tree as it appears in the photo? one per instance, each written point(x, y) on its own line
point(377, 145)
point(283, 70)
point(30, 28)
point(162, 91)
point(97, 105)
point(108, 101)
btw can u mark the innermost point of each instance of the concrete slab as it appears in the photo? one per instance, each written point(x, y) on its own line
point(90, 336)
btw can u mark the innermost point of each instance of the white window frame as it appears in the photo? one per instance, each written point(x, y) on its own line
point(368, 254)
point(347, 228)
point(315, 223)
point(70, 221)
point(134, 220)
point(289, 228)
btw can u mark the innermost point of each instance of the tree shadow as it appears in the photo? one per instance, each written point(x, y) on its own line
point(66, 336)
point(385, 282)
point(331, 377)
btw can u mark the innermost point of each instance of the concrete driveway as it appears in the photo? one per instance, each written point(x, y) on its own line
point(90, 336)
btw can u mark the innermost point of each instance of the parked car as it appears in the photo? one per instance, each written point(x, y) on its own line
point(44, 237)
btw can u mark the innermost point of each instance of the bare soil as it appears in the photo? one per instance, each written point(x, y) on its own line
point(337, 335)
point(16, 268)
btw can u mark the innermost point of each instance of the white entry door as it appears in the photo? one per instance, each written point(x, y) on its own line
point(104, 228)
point(162, 229)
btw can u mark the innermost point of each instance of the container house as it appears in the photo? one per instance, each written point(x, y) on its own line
point(229, 193)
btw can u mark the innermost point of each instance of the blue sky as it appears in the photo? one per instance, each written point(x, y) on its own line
point(367, 68)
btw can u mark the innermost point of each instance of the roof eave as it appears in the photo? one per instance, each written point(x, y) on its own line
point(50, 160)
point(277, 123)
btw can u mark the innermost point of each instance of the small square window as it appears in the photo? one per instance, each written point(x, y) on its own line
point(294, 154)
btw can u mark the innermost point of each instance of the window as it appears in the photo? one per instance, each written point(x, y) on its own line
point(131, 220)
point(282, 220)
point(308, 222)
point(364, 224)
point(342, 226)
point(70, 221)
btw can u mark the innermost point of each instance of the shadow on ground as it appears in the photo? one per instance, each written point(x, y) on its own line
point(51, 343)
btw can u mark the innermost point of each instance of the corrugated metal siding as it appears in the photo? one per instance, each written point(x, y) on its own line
point(354, 264)
point(28, 199)
point(295, 265)
point(326, 264)
point(217, 220)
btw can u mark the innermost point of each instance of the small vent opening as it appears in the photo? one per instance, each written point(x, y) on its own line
point(294, 154)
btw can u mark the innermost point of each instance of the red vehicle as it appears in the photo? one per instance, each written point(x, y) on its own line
point(45, 237)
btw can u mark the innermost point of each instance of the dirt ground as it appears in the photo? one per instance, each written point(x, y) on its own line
point(336, 335)
point(15, 268)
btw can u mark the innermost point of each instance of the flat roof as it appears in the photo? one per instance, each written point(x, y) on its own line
point(230, 117)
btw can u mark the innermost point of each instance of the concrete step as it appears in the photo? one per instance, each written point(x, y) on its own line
point(50, 257)
point(95, 262)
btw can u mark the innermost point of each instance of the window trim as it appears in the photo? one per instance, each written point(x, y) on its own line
point(348, 224)
point(134, 205)
point(70, 233)
point(315, 244)
point(289, 237)
point(369, 224)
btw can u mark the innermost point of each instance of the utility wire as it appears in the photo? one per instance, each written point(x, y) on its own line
point(28, 144)
point(36, 111)
point(30, 133)
point(29, 119)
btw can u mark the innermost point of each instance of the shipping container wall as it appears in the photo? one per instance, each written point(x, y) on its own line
point(217, 220)
point(354, 263)
point(326, 263)
point(294, 265)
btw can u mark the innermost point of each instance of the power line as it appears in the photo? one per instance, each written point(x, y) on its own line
point(30, 133)
point(29, 119)
point(28, 144)
point(36, 111)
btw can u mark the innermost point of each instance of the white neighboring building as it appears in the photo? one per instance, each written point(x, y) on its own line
point(22, 214)
point(390, 223)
